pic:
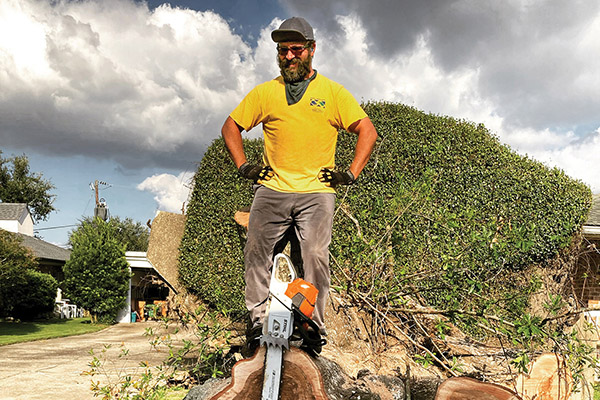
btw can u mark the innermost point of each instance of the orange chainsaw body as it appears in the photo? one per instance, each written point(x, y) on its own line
point(303, 295)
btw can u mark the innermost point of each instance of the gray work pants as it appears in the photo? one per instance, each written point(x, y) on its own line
point(271, 215)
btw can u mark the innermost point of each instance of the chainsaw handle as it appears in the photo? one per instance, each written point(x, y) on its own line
point(292, 270)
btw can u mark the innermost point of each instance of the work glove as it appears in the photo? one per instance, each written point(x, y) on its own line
point(255, 172)
point(333, 178)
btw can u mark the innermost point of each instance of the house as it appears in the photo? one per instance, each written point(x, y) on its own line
point(155, 272)
point(148, 289)
point(15, 217)
point(591, 229)
point(587, 282)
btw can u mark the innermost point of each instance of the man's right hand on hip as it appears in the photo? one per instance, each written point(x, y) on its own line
point(333, 178)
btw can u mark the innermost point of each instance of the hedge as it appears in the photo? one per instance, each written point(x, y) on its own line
point(443, 213)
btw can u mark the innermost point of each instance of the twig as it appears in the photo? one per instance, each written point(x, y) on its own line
point(569, 314)
point(450, 312)
point(432, 340)
point(355, 221)
point(411, 340)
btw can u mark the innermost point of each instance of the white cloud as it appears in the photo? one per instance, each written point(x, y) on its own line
point(112, 79)
point(578, 159)
point(414, 77)
point(170, 191)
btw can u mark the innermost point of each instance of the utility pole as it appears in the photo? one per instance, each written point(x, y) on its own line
point(101, 210)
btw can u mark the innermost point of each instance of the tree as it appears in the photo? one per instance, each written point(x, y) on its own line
point(19, 185)
point(97, 274)
point(134, 235)
point(24, 291)
point(15, 261)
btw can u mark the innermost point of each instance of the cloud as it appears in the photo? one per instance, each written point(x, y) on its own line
point(527, 70)
point(535, 59)
point(111, 79)
point(578, 159)
point(170, 191)
point(114, 80)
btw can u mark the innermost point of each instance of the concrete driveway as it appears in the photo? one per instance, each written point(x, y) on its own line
point(52, 369)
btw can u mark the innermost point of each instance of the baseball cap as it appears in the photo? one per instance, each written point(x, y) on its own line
point(292, 30)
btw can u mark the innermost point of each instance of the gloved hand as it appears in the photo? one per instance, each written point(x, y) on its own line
point(334, 178)
point(255, 172)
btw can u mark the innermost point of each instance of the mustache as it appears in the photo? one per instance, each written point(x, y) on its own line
point(286, 63)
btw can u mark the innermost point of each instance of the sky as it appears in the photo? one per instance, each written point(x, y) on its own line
point(131, 93)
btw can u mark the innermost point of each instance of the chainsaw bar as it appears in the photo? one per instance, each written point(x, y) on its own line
point(278, 329)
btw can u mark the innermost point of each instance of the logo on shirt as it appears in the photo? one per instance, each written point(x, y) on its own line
point(317, 104)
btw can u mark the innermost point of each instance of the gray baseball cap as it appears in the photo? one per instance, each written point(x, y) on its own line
point(292, 30)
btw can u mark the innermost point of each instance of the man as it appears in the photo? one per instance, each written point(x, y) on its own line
point(301, 112)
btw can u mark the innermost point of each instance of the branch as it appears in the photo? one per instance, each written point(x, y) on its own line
point(358, 229)
point(569, 314)
point(450, 312)
point(411, 340)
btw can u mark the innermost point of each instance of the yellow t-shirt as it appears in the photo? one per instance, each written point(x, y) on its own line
point(299, 139)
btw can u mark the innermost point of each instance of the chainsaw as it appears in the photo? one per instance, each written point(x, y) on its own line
point(291, 304)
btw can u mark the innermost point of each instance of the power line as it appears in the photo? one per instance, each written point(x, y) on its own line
point(56, 227)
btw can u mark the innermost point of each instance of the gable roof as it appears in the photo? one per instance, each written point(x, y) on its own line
point(44, 250)
point(12, 211)
point(594, 217)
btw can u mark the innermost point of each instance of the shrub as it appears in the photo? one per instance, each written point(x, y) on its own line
point(36, 297)
point(25, 293)
point(211, 257)
point(97, 273)
point(15, 261)
point(443, 212)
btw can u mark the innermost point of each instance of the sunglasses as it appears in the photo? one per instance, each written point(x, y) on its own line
point(296, 50)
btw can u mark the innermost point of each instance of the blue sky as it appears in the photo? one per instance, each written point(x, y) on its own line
point(132, 93)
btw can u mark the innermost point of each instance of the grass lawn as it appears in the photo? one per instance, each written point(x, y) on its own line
point(17, 332)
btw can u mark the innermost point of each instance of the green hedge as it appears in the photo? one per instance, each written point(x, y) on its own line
point(443, 212)
point(36, 297)
point(211, 257)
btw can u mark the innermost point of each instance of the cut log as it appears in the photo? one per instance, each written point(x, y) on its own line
point(301, 379)
point(548, 379)
point(462, 388)
point(242, 218)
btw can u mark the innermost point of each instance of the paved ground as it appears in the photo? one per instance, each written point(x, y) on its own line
point(52, 369)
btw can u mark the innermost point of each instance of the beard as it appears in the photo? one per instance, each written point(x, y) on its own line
point(299, 74)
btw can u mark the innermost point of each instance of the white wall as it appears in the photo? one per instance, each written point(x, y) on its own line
point(124, 316)
point(26, 226)
point(11, 226)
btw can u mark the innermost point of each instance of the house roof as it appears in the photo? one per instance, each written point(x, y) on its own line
point(138, 259)
point(594, 217)
point(45, 250)
point(591, 227)
point(12, 211)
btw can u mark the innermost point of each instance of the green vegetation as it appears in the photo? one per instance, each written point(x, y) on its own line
point(447, 213)
point(19, 185)
point(197, 359)
point(443, 213)
point(211, 256)
point(97, 274)
point(134, 235)
point(36, 296)
point(25, 293)
point(18, 332)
